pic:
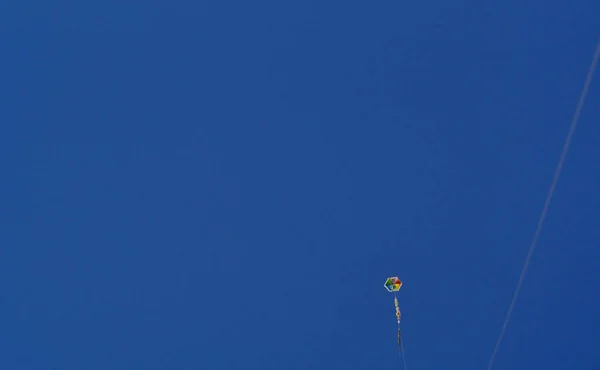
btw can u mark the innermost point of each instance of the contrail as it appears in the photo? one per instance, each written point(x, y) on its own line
point(540, 223)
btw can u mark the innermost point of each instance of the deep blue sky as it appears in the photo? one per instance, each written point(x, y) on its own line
point(226, 185)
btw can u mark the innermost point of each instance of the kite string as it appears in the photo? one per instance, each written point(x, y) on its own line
point(402, 351)
point(557, 173)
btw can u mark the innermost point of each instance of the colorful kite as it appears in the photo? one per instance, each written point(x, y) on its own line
point(393, 285)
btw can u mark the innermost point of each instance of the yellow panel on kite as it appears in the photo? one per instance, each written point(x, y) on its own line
point(393, 284)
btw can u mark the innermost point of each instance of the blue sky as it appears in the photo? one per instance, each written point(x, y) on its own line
point(226, 185)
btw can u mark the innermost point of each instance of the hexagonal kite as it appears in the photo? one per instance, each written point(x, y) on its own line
point(393, 284)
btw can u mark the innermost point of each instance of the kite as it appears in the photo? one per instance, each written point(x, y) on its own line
point(393, 285)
